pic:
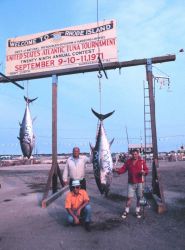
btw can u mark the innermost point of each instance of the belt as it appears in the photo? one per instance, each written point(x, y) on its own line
point(78, 179)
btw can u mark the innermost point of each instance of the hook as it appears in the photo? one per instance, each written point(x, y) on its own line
point(99, 74)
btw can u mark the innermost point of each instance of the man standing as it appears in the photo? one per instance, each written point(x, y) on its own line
point(77, 206)
point(137, 169)
point(75, 168)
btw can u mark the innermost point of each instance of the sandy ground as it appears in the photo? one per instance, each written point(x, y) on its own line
point(24, 225)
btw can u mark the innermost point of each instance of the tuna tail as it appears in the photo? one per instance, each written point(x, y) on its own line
point(101, 117)
point(29, 100)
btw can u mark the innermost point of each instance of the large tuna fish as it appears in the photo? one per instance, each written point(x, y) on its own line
point(26, 136)
point(101, 155)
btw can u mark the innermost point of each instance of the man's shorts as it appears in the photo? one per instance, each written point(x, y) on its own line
point(135, 189)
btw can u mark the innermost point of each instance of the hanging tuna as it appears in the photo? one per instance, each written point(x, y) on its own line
point(26, 136)
point(101, 155)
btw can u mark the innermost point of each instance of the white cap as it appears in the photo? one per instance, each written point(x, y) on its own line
point(75, 183)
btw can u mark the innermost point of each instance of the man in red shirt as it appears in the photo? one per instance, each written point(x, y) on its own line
point(77, 205)
point(137, 169)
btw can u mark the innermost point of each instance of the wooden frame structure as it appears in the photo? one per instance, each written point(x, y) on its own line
point(55, 171)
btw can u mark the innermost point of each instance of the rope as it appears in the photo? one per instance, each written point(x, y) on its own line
point(99, 72)
point(27, 89)
point(100, 96)
point(98, 26)
point(161, 71)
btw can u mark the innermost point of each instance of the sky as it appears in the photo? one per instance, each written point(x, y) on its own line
point(145, 29)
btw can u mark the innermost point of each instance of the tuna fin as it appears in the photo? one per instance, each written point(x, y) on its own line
point(105, 190)
point(34, 119)
point(18, 138)
point(110, 143)
point(91, 147)
point(101, 117)
point(91, 152)
point(29, 100)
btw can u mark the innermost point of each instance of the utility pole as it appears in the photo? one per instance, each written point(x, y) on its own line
point(156, 180)
point(127, 138)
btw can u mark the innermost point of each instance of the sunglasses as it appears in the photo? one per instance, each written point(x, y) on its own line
point(76, 187)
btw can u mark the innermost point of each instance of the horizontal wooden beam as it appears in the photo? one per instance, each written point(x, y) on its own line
point(88, 68)
point(12, 81)
point(159, 59)
point(53, 197)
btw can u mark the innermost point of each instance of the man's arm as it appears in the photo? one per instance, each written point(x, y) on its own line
point(81, 207)
point(65, 173)
point(121, 170)
point(75, 217)
point(85, 202)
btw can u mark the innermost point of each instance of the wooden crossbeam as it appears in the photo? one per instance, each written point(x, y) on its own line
point(89, 68)
point(53, 197)
point(12, 81)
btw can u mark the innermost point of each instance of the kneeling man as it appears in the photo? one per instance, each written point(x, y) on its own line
point(77, 206)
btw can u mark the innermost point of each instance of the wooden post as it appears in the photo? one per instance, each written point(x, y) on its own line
point(52, 177)
point(156, 180)
point(54, 132)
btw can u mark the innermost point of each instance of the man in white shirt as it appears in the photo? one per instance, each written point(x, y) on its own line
point(75, 168)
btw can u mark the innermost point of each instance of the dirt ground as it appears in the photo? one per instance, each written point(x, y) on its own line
point(24, 225)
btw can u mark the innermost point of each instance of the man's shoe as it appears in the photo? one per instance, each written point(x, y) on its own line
point(81, 221)
point(138, 215)
point(124, 215)
point(87, 226)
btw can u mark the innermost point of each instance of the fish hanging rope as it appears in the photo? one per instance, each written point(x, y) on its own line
point(100, 90)
point(100, 99)
point(27, 92)
point(99, 73)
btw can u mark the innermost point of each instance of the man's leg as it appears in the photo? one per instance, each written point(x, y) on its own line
point(70, 219)
point(70, 184)
point(86, 213)
point(139, 195)
point(83, 184)
point(87, 217)
point(127, 208)
point(128, 202)
point(130, 195)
